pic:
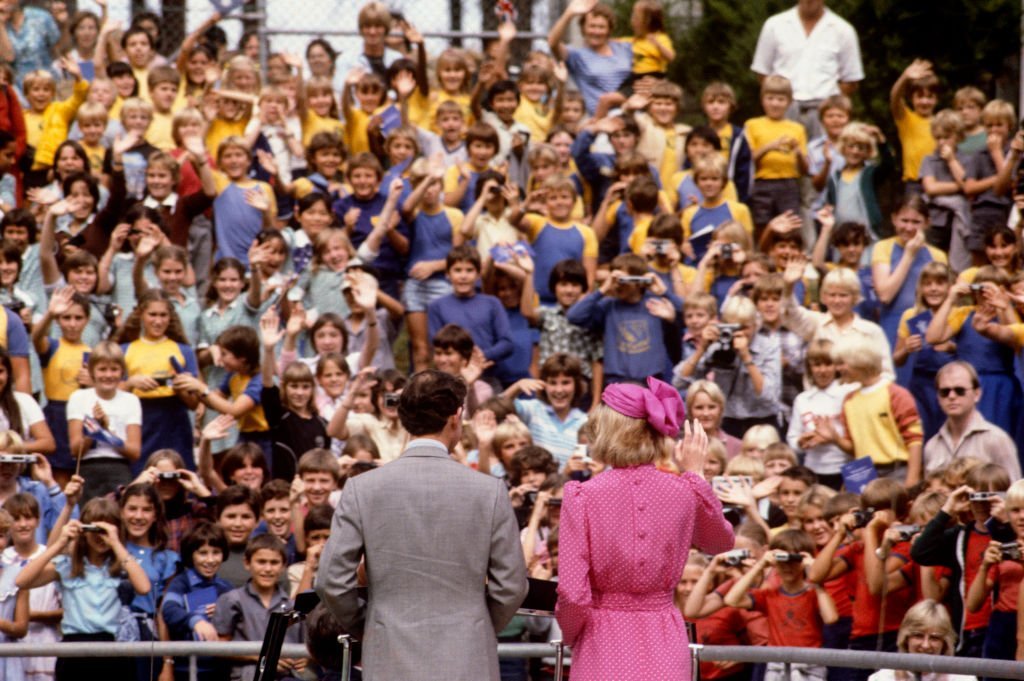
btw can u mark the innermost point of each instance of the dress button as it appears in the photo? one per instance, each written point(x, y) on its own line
point(636, 482)
point(641, 534)
point(640, 507)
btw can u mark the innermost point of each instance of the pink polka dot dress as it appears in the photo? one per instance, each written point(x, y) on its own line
point(624, 537)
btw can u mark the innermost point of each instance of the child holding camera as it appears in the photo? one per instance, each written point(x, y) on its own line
point(747, 367)
point(796, 609)
point(104, 424)
point(637, 318)
point(1001, 570)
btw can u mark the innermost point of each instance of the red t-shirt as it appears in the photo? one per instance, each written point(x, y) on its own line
point(867, 608)
point(977, 542)
point(793, 618)
point(722, 628)
point(1006, 575)
point(842, 593)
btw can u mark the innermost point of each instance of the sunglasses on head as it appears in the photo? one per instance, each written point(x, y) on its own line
point(959, 390)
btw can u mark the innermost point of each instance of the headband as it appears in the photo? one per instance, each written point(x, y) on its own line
point(659, 404)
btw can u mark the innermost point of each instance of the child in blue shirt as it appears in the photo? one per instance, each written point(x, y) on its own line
point(480, 314)
point(360, 211)
point(638, 319)
point(187, 600)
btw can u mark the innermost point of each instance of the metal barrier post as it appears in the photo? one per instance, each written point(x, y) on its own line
point(559, 654)
point(346, 656)
point(193, 668)
point(787, 671)
point(695, 649)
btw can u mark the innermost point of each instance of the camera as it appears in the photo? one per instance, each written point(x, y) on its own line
point(17, 458)
point(529, 499)
point(862, 516)
point(725, 356)
point(735, 557)
point(1010, 550)
point(494, 191)
point(983, 496)
point(660, 246)
point(163, 380)
point(168, 475)
point(110, 312)
point(727, 251)
point(907, 531)
point(391, 400)
point(555, 502)
point(977, 288)
point(15, 305)
point(641, 280)
point(94, 529)
point(786, 557)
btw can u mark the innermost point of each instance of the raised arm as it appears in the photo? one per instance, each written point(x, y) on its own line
point(919, 68)
point(575, 9)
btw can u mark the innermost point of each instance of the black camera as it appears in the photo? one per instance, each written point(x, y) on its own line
point(983, 496)
point(862, 516)
point(907, 531)
point(1010, 550)
point(168, 475)
point(110, 312)
point(977, 288)
point(727, 251)
point(660, 246)
point(92, 529)
point(494, 191)
point(556, 502)
point(735, 557)
point(725, 356)
point(640, 280)
point(786, 557)
point(163, 380)
point(15, 305)
point(391, 400)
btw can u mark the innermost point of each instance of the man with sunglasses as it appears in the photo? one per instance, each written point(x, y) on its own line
point(966, 432)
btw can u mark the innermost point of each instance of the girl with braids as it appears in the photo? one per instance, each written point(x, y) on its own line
point(155, 350)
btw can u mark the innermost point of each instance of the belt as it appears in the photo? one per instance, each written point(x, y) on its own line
point(626, 601)
point(809, 104)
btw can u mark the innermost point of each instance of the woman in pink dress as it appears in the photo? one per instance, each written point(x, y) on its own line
point(625, 536)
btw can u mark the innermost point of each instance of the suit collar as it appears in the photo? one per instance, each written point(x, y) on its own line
point(425, 447)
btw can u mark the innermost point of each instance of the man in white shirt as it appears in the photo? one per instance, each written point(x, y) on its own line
point(816, 50)
point(966, 433)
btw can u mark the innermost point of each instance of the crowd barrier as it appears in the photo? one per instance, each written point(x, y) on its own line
point(994, 669)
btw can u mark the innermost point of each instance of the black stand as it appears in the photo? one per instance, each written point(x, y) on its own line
point(270, 653)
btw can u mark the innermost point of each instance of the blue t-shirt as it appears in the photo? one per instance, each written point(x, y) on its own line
point(481, 315)
point(432, 236)
point(524, 337)
point(389, 262)
point(595, 74)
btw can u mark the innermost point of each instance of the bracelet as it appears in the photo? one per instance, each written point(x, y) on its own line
point(749, 363)
point(54, 491)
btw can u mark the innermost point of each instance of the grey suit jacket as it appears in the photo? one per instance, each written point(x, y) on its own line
point(444, 565)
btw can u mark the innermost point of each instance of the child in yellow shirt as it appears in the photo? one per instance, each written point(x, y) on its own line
point(914, 124)
point(652, 48)
point(92, 122)
point(48, 122)
point(372, 97)
point(163, 84)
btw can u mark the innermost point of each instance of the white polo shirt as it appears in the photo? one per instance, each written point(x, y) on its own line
point(815, 64)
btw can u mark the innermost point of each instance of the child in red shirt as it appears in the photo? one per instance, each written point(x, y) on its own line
point(796, 609)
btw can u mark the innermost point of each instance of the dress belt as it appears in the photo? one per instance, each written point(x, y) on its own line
point(636, 601)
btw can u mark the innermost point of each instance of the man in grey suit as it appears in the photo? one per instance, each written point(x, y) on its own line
point(444, 565)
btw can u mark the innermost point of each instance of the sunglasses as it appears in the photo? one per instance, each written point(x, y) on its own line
point(959, 390)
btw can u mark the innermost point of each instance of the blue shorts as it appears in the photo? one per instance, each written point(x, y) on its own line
point(417, 294)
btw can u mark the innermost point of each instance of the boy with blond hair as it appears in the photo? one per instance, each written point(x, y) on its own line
point(969, 102)
point(701, 220)
point(92, 122)
point(136, 116)
point(662, 139)
point(780, 154)
point(163, 91)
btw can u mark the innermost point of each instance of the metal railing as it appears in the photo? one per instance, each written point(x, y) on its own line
point(752, 654)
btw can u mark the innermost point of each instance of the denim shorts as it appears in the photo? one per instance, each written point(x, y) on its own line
point(417, 294)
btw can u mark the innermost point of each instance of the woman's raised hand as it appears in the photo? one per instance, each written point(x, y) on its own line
point(692, 450)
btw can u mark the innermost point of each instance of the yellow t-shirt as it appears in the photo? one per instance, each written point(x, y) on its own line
point(159, 132)
point(916, 139)
point(142, 78)
point(776, 165)
point(60, 375)
point(1018, 335)
point(220, 129)
point(33, 127)
point(254, 420)
point(314, 123)
point(536, 117)
point(725, 136)
point(535, 225)
point(423, 109)
point(647, 58)
point(641, 224)
point(152, 358)
point(882, 421)
point(95, 155)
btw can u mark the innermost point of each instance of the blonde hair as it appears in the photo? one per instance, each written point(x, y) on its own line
point(779, 451)
point(968, 95)
point(232, 142)
point(925, 615)
point(859, 353)
point(374, 14)
point(719, 90)
point(717, 451)
point(739, 310)
point(746, 465)
point(107, 351)
point(858, 133)
point(999, 110)
point(734, 232)
point(1015, 495)
point(510, 430)
point(622, 441)
point(759, 437)
point(844, 279)
point(39, 77)
point(701, 301)
point(709, 388)
point(136, 104)
point(542, 152)
point(933, 271)
point(947, 122)
point(777, 85)
point(91, 112)
point(186, 115)
point(9, 439)
point(712, 165)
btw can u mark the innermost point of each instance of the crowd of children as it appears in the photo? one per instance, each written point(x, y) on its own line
point(216, 280)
